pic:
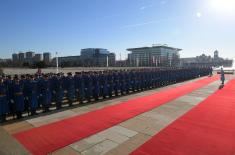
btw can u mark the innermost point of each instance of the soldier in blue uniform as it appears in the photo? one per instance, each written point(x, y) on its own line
point(110, 80)
point(116, 83)
point(25, 79)
point(79, 87)
point(127, 81)
point(58, 90)
point(70, 83)
point(46, 93)
point(9, 85)
point(88, 86)
point(19, 104)
point(210, 70)
point(121, 82)
point(142, 80)
point(104, 84)
point(138, 80)
point(133, 80)
point(52, 80)
point(76, 79)
point(4, 102)
point(222, 77)
point(38, 78)
point(33, 95)
point(96, 85)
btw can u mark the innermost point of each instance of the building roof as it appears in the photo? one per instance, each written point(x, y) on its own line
point(94, 49)
point(76, 56)
point(154, 46)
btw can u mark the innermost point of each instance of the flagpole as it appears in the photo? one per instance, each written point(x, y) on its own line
point(107, 60)
point(57, 63)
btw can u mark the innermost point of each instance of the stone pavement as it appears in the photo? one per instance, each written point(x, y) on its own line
point(9, 146)
point(124, 137)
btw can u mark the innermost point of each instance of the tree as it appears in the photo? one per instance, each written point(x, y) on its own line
point(1, 71)
point(25, 64)
point(40, 64)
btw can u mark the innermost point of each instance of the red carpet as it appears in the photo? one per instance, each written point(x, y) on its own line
point(208, 129)
point(49, 138)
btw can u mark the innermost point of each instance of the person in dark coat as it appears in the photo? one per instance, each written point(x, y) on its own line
point(58, 90)
point(4, 102)
point(46, 93)
point(110, 80)
point(70, 86)
point(33, 95)
point(96, 85)
point(19, 104)
point(79, 87)
point(88, 86)
point(222, 77)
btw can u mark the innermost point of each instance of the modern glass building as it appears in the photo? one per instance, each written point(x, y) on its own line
point(38, 57)
point(98, 57)
point(47, 57)
point(15, 57)
point(21, 57)
point(157, 55)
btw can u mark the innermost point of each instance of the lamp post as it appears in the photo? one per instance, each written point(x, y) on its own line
point(156, 61)
point(57, 63)
point(170, 61)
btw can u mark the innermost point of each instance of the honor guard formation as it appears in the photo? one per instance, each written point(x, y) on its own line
point(31, 94)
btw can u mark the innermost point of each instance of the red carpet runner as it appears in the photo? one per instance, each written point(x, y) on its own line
point(48, 138)
point(208, 129)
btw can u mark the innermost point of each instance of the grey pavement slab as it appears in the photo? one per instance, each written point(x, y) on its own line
point(36, 122)
point(127, 147)
point(194, 100)
point(66, 151)
point(87, 143)
point(100, 148)
point(116, 134)
point(123, 131)
point(17, 127)
point(9, 146)
point(113, 136)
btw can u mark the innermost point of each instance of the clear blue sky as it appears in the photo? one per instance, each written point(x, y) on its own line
point(67, 26)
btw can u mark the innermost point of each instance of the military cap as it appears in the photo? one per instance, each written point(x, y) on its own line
point(16, 77)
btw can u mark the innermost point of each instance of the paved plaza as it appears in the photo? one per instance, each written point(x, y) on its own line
point(120, 139)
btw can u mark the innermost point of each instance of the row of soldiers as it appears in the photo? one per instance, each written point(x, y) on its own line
point(29, 93)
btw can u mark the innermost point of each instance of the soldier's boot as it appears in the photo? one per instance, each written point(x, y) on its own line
point(116, 93)
point(33, 112)
point(89, 99)
point(3, 118)
point(58, 105)
point(80, 101)
point(19, 115)
point(70, 103)
point(96, 97)
point(46, 109)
